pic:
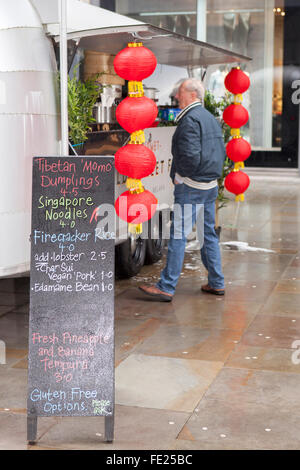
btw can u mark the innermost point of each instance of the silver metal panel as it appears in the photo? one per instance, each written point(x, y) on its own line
point(28, 123)
point(22, 137)
point(37, 55)
point(28, 93)
point(169, 48)
point(14, 243)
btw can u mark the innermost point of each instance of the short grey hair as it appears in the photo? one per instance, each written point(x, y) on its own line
point(196, 85)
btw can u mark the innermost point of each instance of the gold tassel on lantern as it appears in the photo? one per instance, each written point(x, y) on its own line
point(135, 89)
point(137, 137)
point(238, 166)
point(134, 186)
point(235, 133)
point(237, 99)
point(135, 228)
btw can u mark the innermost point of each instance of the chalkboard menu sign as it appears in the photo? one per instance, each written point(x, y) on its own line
point(71, 336)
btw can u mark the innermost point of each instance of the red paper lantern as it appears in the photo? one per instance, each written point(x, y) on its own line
point(135, 63)
point(236, 81)
point(235, 115)
point(135, 114)
point(135, 160)
point(136, 208)
point(238, 150)
point(237, 182)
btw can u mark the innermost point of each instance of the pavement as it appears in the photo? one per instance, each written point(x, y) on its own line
point(201, 372)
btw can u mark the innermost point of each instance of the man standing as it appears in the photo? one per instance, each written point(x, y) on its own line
point(198, 156)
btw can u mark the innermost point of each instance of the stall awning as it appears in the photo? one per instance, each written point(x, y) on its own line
point(169, 48)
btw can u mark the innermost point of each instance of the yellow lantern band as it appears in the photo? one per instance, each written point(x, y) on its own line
point(135, 89)
point(237, 99)
point(137, 137)
point(240, 197)
point(134, 186)
point(135, 228)
point(239, 165)
point(135, 44)
point(235, 133)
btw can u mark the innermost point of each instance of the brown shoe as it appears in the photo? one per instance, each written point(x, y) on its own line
point(210, 290)
point(156, 293)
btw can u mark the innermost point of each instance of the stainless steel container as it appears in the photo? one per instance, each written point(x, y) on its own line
point(151, 93)
point(105, 110)
point(104, 114)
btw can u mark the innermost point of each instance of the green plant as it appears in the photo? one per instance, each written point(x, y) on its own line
point(216, 108)
point(82, 96)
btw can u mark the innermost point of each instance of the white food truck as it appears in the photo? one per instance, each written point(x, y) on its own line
point(30, 111)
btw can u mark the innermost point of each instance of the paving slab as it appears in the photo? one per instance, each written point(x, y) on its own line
point(274, 359)
point(272, 331)
point(13, 389)
point(130, 332)
point(135, 428)
point(218, 314)
point(190, 342)
point(261, 387)
point(13, 429)
point(163, 382)
point(291, 274)
point(222, 425)
point(282, 304)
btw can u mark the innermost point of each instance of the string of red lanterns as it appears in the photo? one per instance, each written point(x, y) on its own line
point(134, 114)
point(237, 149)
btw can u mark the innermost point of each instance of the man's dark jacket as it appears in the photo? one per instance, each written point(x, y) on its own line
point(197, 146)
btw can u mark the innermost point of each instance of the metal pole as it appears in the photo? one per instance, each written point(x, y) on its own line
point(63, 58)
point(201, 20)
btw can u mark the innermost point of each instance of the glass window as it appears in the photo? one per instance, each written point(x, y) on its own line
point(267, 31)
point(175, 15)
point(255, 29)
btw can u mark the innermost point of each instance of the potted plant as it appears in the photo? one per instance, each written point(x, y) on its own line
point(82, 96)
point(216, 108)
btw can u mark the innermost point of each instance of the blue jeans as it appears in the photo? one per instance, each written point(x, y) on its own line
point(189, 200)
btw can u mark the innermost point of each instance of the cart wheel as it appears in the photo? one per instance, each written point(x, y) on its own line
point(130, 256)
point(155, 242)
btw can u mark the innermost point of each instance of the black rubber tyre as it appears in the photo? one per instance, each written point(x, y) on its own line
point(154, 243)
point(130, 257)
